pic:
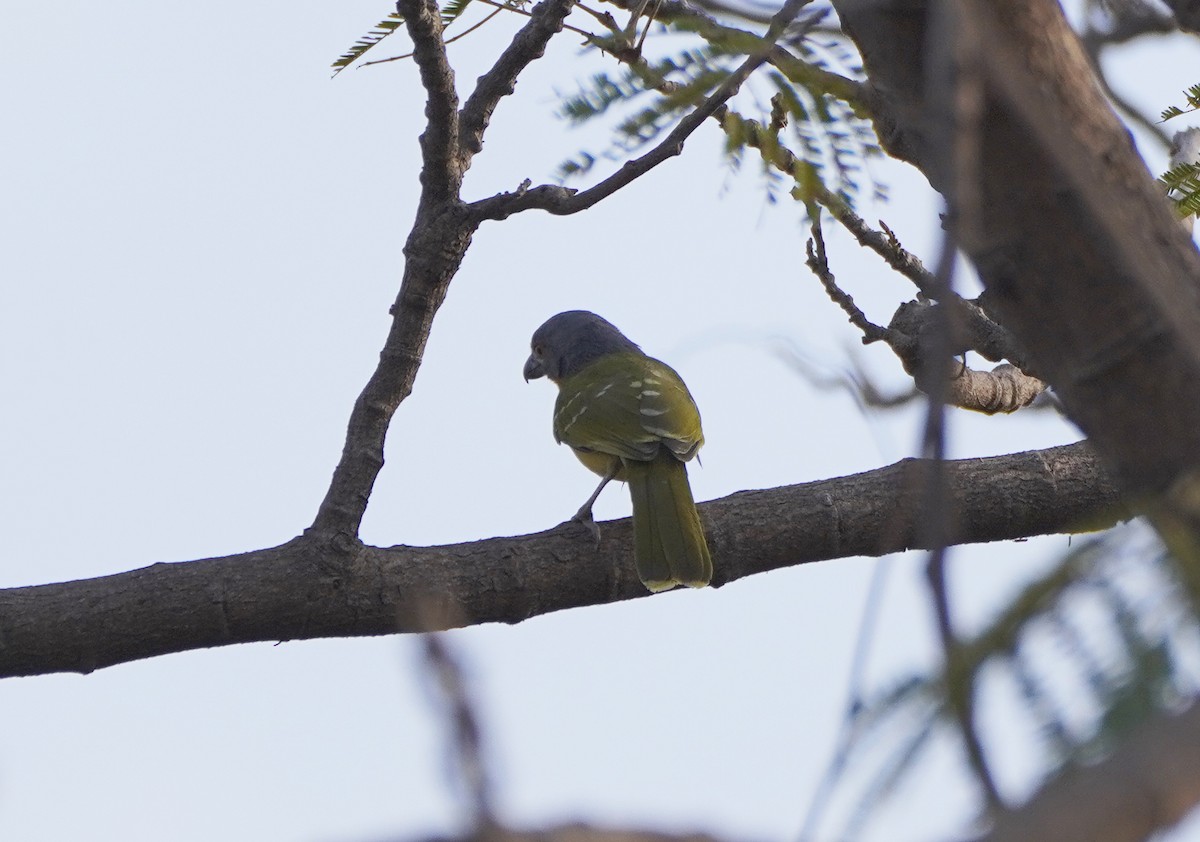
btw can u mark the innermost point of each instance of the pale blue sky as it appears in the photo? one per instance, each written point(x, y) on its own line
point(202, 237)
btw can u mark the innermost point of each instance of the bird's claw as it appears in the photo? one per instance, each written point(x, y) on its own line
point(584, 517)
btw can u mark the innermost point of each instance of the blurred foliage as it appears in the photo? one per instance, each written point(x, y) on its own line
point(798, 112)
point(1182, 181)
point(1182, 184)
point(1102, 640)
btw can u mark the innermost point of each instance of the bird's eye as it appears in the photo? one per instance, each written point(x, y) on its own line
point(537, 350)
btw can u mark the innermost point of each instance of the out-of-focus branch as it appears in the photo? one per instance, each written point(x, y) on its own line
point(1133, 22)
point(1147, 785)
point(1187, 14)
point(454, 701)
point(573, 833)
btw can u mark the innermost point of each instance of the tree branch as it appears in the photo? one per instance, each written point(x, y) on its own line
point(301, 590)
point(1075, 244)
point(563, 201)
point(527, 45)
point(442, 171)
point(916, 334)
point(1187, 13)
point(1147, 785)
point(574, 833)
point(978, 331)
point(435, 247)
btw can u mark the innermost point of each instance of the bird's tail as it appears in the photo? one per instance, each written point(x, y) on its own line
point(669, 544)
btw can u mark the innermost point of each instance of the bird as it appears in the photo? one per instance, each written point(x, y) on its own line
point(628, 417)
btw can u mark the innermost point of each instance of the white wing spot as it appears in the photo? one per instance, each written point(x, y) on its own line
point(650, 393)
point(575, 417)
point(562, 412)
point(645, 410)
point(659, 431)
point(602, 392)
point(636, 384)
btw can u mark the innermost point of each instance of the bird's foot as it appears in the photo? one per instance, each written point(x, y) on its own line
point(584, 517)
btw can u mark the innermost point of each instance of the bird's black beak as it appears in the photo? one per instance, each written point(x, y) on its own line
point(533, 369)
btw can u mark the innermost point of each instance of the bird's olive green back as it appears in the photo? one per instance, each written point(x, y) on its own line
point(628, 404)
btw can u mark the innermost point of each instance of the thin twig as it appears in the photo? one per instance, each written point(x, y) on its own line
point(562, 201)
point(1131, 111)
point(819, 264)
point(518, 10)
point(1004, 389)
point(982, 334)
point(885, 244)
point(462, 34)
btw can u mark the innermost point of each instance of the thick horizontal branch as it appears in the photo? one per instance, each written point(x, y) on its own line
point(299, 590)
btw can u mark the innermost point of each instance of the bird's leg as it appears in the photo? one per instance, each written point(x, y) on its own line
point(584, 515)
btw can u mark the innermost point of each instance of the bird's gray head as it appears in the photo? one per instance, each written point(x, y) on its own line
point(568, 342)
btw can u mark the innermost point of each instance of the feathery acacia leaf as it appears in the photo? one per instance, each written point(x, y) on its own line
point(805, 133)
point(382, 30)
point(1192, 96)
point(453, 10)
point(1182, 184)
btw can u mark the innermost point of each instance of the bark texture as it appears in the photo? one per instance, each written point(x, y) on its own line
point(1077, 247)
point(301, 590)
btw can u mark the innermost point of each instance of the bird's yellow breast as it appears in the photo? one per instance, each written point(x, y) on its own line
point(599, 463)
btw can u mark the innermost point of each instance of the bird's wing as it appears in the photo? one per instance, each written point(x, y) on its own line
point(628, 405)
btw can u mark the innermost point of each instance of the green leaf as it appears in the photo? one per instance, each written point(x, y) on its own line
point(382, 30)
point(453, 10)
point(1192, 96)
